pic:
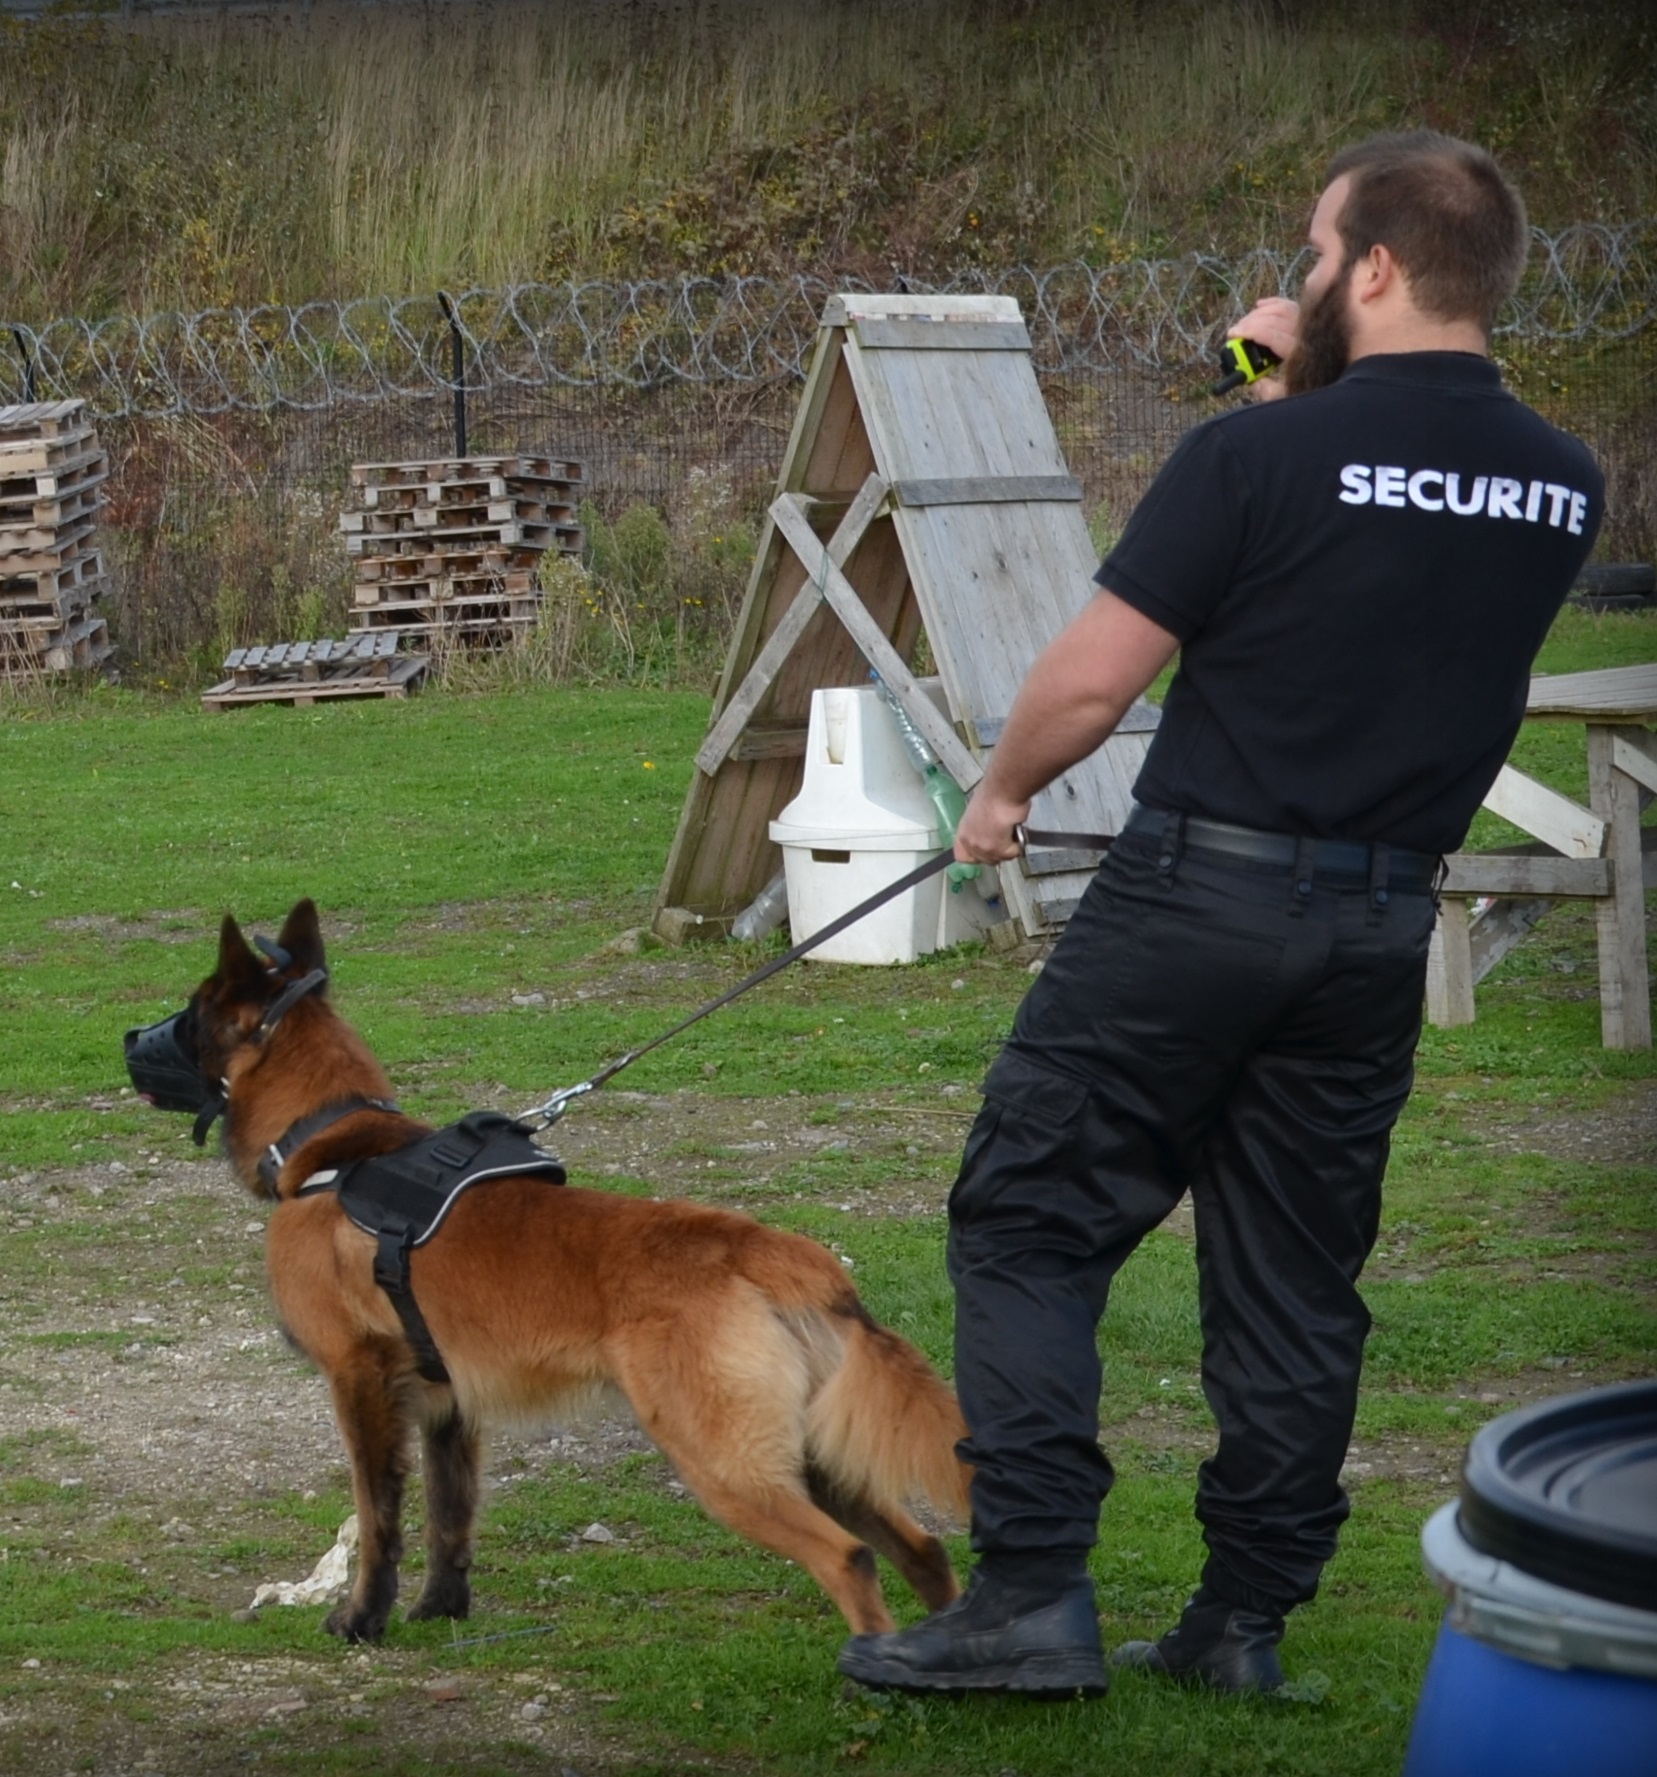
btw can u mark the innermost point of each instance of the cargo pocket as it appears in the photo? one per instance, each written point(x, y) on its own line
point(1023, 1140)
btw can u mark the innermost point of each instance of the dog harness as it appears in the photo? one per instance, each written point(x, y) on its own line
point(403, 1198)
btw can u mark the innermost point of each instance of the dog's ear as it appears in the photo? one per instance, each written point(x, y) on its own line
point(301, 937)
point(239, 968)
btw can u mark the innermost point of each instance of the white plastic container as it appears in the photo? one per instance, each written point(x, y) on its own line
point(863, 819)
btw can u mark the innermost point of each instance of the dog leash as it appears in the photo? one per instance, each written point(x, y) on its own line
point(543, 1116)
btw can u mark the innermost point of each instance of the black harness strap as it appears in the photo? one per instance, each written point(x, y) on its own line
point(391, 1273)
point(403, 1197)
point(276, 1156)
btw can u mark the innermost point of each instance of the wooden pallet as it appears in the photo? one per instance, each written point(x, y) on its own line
point(42, 546)
point(54, 480)
point(443, 616)
point(73, 647)
point(301, 673)
point(440, 470)
point(518, 583)
point(429, 564)
point(17, 582)
point(43, 419)
point(34, 509)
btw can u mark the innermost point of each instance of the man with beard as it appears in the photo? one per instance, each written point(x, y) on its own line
point(1357, 578)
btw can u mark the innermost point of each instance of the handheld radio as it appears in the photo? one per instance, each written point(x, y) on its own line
point(1244, 361)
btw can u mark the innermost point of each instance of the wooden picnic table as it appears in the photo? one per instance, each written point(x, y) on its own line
point(1599, 853)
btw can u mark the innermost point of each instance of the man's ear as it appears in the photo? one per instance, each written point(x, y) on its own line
point(301, 937)
point(1377, 274)
point(239, 968)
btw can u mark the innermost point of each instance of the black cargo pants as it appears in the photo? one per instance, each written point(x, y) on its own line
point(1202, 1027)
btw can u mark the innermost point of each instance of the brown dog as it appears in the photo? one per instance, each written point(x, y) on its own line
point(745, 1352)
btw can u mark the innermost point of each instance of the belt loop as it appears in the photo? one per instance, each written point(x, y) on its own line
point(1305, 858)
point(1441, 875)
point(1377, 883)
point(1173, 845)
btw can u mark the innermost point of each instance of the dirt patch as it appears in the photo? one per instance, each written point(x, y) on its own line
point(1620, 1133)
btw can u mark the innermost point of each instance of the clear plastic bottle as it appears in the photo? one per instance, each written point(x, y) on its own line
point(767, 911)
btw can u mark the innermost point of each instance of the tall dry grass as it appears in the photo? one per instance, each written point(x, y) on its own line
point(342, 150)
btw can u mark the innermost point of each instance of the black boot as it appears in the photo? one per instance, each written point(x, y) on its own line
point(999, 1635)
point(1226, 1646)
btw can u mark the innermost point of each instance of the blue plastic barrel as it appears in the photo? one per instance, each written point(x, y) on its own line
point(1546, 1661)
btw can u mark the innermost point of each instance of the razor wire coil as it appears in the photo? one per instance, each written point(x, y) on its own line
point(1589, 282)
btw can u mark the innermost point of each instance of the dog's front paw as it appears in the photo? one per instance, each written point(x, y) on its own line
point(351, 1623)
point(443, 1595)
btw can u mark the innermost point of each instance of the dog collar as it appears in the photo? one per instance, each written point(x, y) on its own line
point(277, 1155)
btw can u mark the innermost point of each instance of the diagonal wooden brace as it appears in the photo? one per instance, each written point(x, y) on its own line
point(736, 715)
point(789, 517)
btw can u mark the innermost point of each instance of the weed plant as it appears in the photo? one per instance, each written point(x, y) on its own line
point(154, 163)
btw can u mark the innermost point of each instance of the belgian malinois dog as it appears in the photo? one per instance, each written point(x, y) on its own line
point(792, 1416)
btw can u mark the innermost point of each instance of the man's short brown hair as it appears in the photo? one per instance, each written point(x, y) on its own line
point(1446, 213)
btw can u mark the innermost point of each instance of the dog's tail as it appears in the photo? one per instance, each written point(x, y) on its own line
point(884, 1426)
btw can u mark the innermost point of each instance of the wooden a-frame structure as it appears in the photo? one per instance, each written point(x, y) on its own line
point(923, 487)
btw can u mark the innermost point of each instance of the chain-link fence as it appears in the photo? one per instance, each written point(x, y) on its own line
point(232, 431)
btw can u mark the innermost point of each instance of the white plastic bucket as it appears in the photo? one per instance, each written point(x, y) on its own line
point(863, 819)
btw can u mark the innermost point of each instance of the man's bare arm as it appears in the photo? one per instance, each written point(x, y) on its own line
point(1078, 690)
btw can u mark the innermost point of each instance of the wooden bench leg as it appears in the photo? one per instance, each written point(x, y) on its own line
point(1450, 966)
point(1624, 978)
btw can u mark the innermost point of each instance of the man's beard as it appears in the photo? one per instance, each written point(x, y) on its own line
point(1323, 341)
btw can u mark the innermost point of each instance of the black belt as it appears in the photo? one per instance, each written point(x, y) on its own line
point(1332, 857)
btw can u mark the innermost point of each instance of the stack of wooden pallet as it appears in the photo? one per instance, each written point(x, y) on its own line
point(452, 546)
point(52, 471)
point(304, 672)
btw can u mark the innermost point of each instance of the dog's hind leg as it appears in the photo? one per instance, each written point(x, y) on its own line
point(729, 1414)
point(370, 1405)
point(786, 1522)
point(919, 1557)
point(450, 1453)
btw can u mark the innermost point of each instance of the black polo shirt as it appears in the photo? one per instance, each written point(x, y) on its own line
point(1360, 579)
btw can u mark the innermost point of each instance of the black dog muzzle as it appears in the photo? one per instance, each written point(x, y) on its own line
point(165, 1064)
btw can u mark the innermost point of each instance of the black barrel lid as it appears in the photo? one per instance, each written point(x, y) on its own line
point(1566, 1491)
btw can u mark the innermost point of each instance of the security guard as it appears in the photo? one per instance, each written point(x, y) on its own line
point(1357, 579)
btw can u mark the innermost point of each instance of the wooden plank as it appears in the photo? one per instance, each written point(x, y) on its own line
point(1570, 829)
point(1501, 928)
point(1628, 693)
point(981, 490)
point(1450, 967)
point(723, 735)
point(1141, 717)
point(1635, 753)
point(757, 741)
point(842, 309)
point(1624, 975)
point(876, 649)
point(918, 334)
point(1520, 873)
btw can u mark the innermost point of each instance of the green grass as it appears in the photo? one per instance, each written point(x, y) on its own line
point(466, 850)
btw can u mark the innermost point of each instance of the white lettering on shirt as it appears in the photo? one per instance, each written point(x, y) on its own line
point(1504, 498)
point(1441, 490)
point(1355, 483)
point(1418, 495)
